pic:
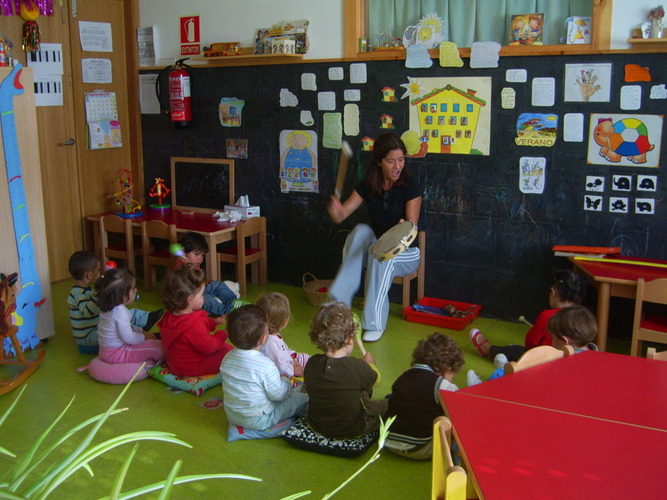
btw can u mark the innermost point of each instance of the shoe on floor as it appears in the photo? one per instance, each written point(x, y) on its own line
point(372, 335)
point(500, 361)
point(478, 340)
point(473, 378)
point(153, 317)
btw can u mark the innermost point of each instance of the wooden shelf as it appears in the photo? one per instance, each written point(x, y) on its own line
point(245, 59)
point(652, 44)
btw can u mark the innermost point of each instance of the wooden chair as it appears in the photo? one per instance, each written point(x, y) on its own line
point(651, 353)
point(244, 253)
point(537, 356)
point(651, 327)
point(419, 274)
point(156, 229)
point(123, 250)
point(449, 481)
point(8, 330)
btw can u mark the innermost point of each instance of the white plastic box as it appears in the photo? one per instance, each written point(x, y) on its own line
point(246, 212)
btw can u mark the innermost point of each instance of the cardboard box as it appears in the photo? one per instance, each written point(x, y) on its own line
point(450, 322)
point(246, 212)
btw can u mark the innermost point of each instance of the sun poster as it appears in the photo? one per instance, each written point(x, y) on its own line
point(449, 115)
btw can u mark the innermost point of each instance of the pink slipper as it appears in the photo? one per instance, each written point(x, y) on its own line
point(478, 340)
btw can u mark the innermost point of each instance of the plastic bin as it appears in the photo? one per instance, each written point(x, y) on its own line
point(451, 322)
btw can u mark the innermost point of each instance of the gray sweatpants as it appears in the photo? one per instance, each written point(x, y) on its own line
point(357, 254)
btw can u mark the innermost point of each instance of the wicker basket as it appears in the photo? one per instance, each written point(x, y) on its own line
point(312, 289)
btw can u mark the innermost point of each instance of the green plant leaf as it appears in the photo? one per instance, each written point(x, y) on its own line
point(118, 484)
point(169, 483)
point(297, 495)
point(182, 480)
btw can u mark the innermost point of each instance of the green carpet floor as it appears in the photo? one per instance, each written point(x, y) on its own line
point(284, 470)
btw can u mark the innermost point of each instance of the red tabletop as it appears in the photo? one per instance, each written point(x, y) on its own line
point(191, 221)
point(603, 385)
point(601, 270)
point(525, 452)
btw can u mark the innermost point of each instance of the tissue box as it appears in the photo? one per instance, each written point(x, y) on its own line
point(246, 212)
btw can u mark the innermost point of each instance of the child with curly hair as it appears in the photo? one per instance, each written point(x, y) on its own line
point(414, 396)
point(340, 386)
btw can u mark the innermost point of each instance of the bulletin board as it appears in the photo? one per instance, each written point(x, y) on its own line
point(492, 223)
point(202, 183)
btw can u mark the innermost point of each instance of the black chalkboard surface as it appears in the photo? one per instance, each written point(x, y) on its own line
point(202, 183)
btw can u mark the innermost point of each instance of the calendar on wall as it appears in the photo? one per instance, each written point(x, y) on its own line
point(102, 119)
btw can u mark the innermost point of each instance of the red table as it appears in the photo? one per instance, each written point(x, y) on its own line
point(617, 280)
point(214, 230)
point(591, 425)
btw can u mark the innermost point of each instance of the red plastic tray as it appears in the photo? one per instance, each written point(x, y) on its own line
point(442, 321)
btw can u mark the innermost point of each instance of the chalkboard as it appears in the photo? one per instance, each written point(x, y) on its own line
point(202, 183)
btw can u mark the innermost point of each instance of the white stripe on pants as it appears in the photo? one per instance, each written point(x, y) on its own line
point(357, 254)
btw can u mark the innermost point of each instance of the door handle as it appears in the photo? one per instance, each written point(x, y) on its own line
point(69, 142)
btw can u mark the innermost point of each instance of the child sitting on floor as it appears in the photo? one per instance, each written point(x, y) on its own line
point(84, 313)
point(277, 309)
point(414, 396)
point(186, 329)
point(256, 396)
point(567, 289)
point(220, 297)
point(574, 326)
point(119, 340)
point(340, 386)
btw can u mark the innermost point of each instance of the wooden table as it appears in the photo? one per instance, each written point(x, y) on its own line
point(214, 230)
point(591, 425)
point(614, 279)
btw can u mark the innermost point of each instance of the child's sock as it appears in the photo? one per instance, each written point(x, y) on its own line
point(473, 378)
point(153, 317)
point(234, 287)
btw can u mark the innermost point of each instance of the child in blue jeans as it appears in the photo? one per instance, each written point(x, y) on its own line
point(256, 396)
point(220, 297)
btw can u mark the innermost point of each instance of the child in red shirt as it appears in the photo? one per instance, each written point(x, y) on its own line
point(186, 329)
point(567, 289)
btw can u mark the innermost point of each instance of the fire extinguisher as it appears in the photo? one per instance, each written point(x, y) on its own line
point(180, 100)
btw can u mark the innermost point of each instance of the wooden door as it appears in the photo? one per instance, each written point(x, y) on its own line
point(77, 181)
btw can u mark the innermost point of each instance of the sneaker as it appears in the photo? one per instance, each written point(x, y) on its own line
point(500, 361)
point(372, 335)
point(473, 378)
point(234, 287)
point(478, 340)
point(153, 317)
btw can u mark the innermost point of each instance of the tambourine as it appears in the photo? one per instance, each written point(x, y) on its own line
point(395, 240)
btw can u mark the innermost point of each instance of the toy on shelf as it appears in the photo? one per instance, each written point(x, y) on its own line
point(128, 206)
point(223, 49)
point(159, 191)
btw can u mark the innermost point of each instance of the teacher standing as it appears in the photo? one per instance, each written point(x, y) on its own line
point(393, 196)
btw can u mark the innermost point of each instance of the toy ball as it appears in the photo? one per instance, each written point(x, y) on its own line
point(110, 264)
point(176, 249)
point(324, 289)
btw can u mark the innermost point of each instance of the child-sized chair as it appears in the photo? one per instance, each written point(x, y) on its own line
point(124, 250)
point(449, 481)
point(537, 356)
point(651, 353)
point(156, 229)
point(651, 327)
point(245, 253)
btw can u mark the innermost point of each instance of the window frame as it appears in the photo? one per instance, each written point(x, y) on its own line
point(354, 16)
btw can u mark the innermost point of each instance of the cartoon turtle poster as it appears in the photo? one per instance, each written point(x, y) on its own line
point(632, 140)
